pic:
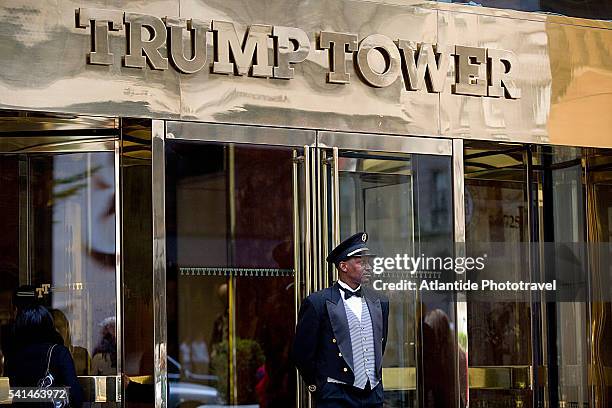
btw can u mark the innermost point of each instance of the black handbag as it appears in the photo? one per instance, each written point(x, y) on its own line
point(48, 380)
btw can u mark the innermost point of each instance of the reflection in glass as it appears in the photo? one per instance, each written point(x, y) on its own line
point(229, 214)
point(576, 199)
point(572, 190)
point(496, 212)
point(599, 218)
point(60, 239)
point(564, 222)
point(137, 262)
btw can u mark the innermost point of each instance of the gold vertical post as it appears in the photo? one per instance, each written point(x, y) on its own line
point(308, 227)
point(296, 232)
point(335, 205)
point(231, 344)
point(315, 220)
point(307, 237)
point(597, 311)
point(461, 305)
point(296, 259)
point(160, 330)
point(118, 280)
point(324, 219)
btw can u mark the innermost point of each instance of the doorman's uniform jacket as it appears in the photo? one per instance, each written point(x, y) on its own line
point(322, 347)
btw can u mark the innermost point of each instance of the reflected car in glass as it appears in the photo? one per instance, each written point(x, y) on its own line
point(186, 389)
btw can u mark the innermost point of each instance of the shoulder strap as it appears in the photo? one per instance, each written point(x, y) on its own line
point(49, 354)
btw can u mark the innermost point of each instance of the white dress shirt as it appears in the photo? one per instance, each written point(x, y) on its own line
point(354, 302)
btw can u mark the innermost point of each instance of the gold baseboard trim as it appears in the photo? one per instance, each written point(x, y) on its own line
point(500, 377)
point(399, 378)
point(486, 378)
point(4, 390)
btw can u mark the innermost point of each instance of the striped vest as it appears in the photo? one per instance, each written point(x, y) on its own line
point(362, 341)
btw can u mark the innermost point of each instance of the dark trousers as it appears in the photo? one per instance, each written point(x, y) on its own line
point(334, 395)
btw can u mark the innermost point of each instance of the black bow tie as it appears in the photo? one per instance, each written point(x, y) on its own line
point(348, 293)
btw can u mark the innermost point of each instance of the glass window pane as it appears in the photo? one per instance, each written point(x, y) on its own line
point(231, 295)
point(404, 203)
point(564, 223)
point(65, 247)
point(496, 220)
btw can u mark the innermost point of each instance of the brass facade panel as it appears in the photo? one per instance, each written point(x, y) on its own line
point(35, 122)
point(44, 63)
point(308, 100)
point(54, 144)
point(581, 89)
point(211, 132)
point(563, 70)
point(386, 143)
point(524, 119)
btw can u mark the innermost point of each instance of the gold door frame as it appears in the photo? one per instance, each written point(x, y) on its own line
point(247, 135)
point(403, 378)
point(35, 134)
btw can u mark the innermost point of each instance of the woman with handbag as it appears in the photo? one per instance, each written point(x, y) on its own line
point(40, 359)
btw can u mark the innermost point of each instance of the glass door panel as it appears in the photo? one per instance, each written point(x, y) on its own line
point(59, 247)
point(404, 201)
point(232, 265)
point(499, 333)
point(575, 186)
point(72, 206)
point(547, 208)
